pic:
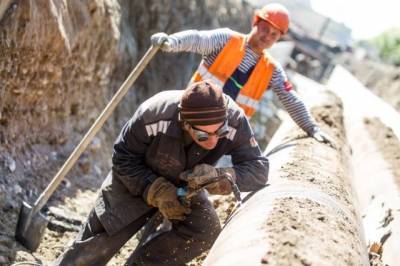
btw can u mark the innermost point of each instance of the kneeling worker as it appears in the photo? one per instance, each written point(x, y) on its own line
point(172, 135)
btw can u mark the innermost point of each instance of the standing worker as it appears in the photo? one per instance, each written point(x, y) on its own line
point(173, 140)
point(241, 65)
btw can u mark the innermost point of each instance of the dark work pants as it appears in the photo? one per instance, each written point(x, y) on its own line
point(186, 240)
point(93, 246)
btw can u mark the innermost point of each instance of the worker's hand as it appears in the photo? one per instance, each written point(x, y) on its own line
point(324, 138)
point(223, 186)
point(162, 194)
point(204, 173)
point(161, 40)
point(199, 175)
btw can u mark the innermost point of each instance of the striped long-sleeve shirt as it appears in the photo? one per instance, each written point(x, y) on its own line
point(210, 43)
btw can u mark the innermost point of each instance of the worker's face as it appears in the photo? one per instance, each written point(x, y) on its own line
point(207, 136)
point(263, 35)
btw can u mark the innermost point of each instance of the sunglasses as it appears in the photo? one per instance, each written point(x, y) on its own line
point(200, 135)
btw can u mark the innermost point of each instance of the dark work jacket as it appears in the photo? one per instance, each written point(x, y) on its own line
point(151, 144)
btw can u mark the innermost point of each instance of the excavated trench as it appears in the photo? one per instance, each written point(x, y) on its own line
point(60, 64)
point(310, 214)
point(54, 86)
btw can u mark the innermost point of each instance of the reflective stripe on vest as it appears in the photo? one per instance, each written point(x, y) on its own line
point(204, 74)
point(244, 100)
point(228, 61)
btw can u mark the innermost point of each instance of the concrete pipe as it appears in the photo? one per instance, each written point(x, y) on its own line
point(307, 215)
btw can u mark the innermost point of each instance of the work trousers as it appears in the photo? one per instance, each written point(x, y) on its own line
point(186, 240)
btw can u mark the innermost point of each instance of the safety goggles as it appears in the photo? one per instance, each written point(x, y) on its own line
point(200, 135)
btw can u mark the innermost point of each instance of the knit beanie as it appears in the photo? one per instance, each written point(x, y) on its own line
point(203, 103)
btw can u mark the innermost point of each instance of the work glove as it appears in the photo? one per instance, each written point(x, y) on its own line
point(323, 138)
point(204, 173)
point(161, 40)
point(162, 195)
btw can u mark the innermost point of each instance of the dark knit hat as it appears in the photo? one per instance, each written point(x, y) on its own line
point(203, 103)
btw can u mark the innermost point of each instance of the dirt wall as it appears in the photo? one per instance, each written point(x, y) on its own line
point(60, 63)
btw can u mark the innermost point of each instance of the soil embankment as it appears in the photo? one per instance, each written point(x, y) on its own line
point(60, 63)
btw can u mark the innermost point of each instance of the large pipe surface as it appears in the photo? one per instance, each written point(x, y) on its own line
point(307, 214)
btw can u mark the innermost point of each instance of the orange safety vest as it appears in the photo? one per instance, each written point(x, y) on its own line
point(227, 62)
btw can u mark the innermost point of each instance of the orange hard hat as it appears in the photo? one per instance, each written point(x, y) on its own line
point(274, 13)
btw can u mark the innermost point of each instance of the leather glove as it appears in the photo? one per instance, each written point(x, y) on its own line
point(162, 194)
point(323, 138)
point(161, 40)
point(203, 173)
point(224, 186)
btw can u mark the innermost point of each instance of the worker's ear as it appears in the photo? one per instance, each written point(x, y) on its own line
point(185, 126)
point(183, 122)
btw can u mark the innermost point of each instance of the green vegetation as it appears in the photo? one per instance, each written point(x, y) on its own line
point(388, 45)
